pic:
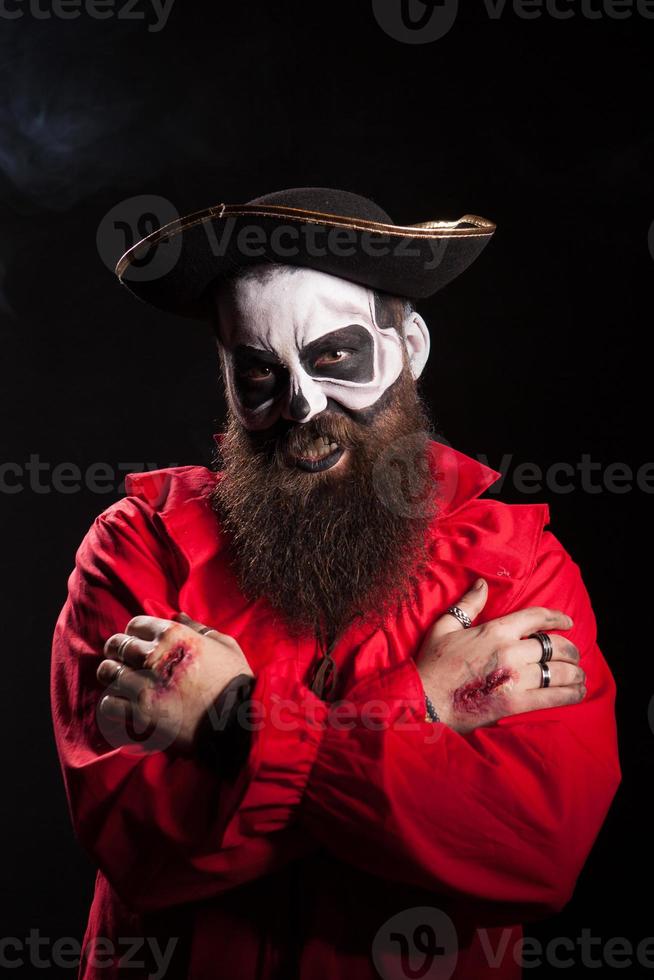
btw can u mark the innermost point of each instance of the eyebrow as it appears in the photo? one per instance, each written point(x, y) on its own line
point(245, 353)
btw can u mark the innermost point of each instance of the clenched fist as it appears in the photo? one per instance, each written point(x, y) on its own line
point(164, 676)
point(478, 675)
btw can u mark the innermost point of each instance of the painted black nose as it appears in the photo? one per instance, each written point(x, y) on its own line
point(298, 406)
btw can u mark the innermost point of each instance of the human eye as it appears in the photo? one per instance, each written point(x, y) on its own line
point(257, 372)
point(334, 356)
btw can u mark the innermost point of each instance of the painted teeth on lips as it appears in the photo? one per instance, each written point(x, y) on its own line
point(318, 448)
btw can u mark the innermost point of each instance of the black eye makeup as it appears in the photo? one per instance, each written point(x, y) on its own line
point(258, 375)
point(346, 354)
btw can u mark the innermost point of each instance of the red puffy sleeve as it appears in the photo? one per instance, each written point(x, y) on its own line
point(505, 815)
point(163, 830)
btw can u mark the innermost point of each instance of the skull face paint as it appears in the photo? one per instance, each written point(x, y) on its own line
point(297, 337)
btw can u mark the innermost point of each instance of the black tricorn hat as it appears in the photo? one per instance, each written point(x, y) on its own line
point(332, 231)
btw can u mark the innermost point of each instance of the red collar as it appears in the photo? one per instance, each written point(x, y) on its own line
point(460, 478)
point(493, 538)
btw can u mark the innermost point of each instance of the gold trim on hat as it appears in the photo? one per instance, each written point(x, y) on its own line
point(469, 226)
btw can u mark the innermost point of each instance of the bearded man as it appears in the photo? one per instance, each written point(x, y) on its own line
point(325, 712)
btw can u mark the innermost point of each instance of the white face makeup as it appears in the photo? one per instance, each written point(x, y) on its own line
point(299, 337)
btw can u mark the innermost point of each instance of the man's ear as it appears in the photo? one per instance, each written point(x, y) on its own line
point(416, 335)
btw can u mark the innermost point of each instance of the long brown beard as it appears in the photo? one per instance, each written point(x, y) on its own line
point(327, 548)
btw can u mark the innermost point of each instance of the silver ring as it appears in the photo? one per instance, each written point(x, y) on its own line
point(120, 652)
point(545, 676)
point(462, 617)
point(546, 645)
point(116, 677)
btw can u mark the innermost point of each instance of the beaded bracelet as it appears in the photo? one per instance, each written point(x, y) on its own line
point(432, 714)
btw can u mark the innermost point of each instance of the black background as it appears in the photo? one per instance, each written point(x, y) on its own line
point(538, 352)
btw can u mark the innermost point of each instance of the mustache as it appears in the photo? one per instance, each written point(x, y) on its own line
point(297, 439)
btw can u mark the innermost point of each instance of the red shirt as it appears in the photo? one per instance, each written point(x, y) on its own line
point(298, 866)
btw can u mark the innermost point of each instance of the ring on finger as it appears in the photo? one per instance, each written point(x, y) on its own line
point(119, 673)
point(546, 645)
point(545, 675)
point(462, 616)
point(120, 652)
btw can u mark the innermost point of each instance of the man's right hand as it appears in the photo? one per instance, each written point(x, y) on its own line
point(478, 675)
